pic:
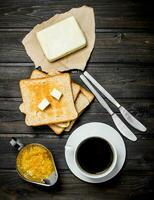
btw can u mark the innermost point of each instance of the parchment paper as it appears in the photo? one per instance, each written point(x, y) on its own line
point(85, 17)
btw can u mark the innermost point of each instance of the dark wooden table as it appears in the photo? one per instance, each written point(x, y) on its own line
point(122, 61)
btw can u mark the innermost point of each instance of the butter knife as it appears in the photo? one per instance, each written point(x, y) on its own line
point(124, 130)
point(127, 115)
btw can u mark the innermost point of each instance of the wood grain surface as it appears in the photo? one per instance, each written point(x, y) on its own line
point(122, 61)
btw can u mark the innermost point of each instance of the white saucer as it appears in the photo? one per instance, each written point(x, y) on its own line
point(99, 130)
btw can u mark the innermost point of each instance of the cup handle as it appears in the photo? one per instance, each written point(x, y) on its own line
point(16, 143)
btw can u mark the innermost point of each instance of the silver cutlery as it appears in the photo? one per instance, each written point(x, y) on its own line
point(124, 130)
point(127, 115)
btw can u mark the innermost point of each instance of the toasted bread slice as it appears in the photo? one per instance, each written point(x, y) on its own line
point(75, 89)
point(35, 90)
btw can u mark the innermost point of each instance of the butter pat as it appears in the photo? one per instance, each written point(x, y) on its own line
point(61, 39)
point(44, 103)
point(56, 94)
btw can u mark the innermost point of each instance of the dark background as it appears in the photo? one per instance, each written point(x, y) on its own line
point(122, 61)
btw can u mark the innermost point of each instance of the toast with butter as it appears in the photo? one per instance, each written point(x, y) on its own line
point(81, 102)
point(35, 90)
point(75, 90)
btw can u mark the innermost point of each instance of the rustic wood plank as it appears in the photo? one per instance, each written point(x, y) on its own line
point(124, 187)
point(115, 14)
point(109, 47)
point(139, 154)
point(122, 82)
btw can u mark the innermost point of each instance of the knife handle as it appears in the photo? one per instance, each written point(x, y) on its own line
point(97, 95)
point(101, 89)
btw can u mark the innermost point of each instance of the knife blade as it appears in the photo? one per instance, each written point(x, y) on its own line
point(127, 116)
point(124, 130)
point(132, 120)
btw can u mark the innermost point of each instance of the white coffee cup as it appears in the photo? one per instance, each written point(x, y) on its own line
point(102, 174)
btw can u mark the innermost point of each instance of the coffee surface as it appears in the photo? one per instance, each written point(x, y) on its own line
point(94, 155)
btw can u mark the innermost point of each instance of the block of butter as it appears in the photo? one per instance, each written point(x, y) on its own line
point(61, 39)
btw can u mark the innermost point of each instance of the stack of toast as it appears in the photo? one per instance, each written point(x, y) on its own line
point(59, 115)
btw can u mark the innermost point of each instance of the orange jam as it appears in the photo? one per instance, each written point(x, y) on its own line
point(35, 163)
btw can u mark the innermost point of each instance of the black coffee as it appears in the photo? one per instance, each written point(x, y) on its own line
point(94, 155)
